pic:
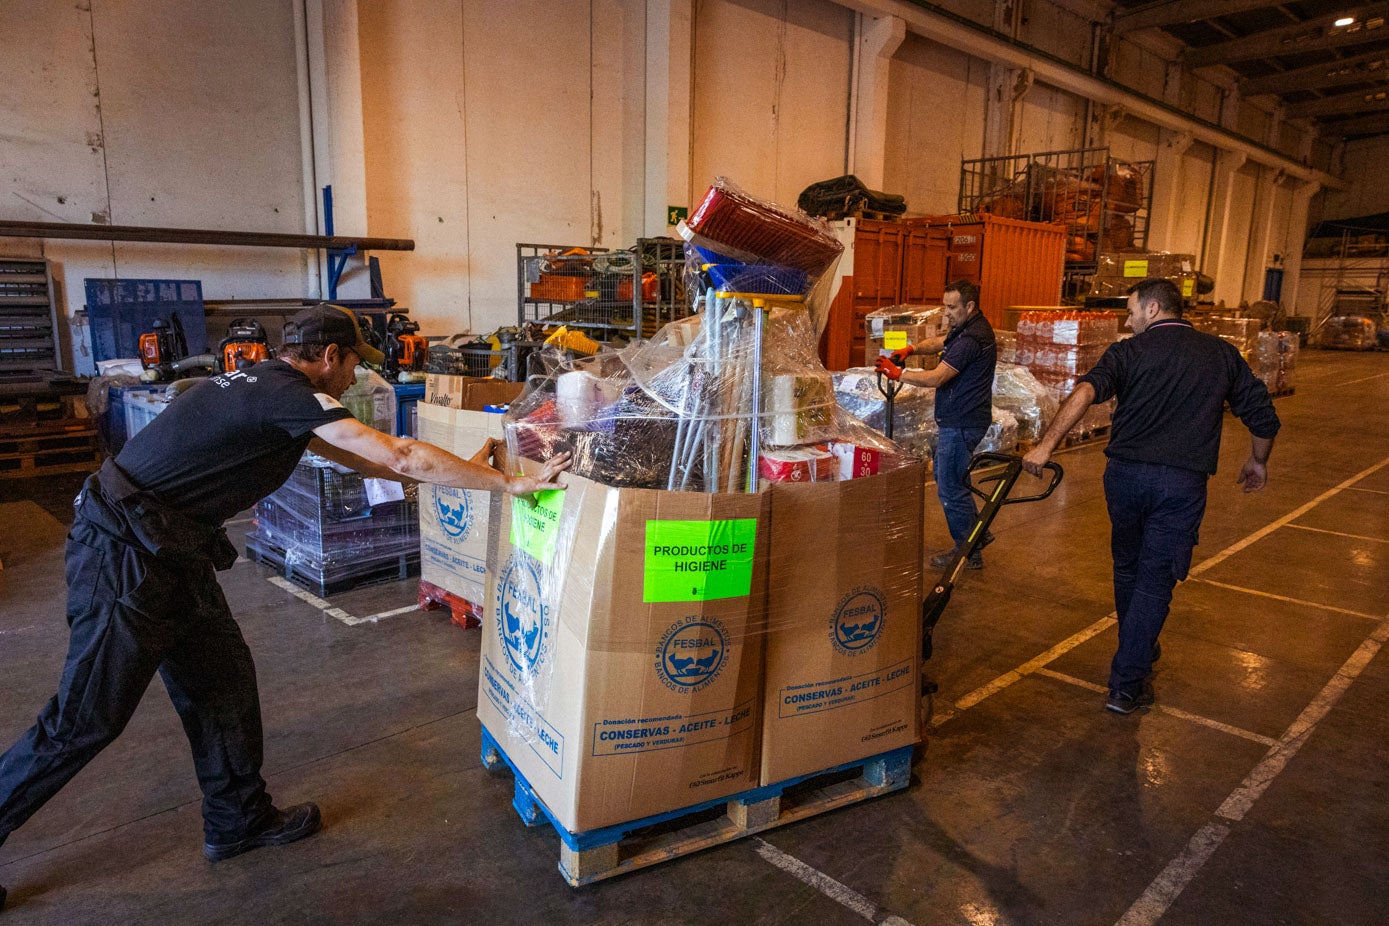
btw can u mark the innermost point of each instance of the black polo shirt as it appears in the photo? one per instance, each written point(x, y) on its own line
point(966, 401)
point(1173, 382)
point(228, 441)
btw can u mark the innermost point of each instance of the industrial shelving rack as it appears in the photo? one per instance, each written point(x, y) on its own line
point(29, 352)
point(611, 295)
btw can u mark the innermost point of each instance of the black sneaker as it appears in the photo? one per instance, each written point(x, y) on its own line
point(942, 559)
point(1121, 702)
point(285, 826)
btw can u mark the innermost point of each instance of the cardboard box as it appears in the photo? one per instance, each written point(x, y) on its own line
point(468, 392)
point(843, 648)
point(622, 647)
point(454, 523)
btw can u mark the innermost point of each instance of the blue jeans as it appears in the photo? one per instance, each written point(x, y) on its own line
point(1155, 512)
point(953, 453)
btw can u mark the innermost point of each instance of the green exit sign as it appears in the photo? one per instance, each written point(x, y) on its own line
point(675, 214)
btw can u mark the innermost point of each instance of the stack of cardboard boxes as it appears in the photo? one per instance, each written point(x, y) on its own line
point(646, 651)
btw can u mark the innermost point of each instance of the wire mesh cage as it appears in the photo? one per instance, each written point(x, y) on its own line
point(1105, 203)
point(625, 294)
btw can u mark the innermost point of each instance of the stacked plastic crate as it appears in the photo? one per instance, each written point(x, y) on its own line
point(329, 528)
point(1059, 347)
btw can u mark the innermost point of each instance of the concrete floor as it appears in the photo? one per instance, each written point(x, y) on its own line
point(1255, 792)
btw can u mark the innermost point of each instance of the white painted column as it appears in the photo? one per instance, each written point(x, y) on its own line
point(878, 38)
point(1166, 208)
point(669, 77)
point(1292, 261)
point(1227, 164)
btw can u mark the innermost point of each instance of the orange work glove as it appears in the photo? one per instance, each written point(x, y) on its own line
point(899, 357)
point(889, 369)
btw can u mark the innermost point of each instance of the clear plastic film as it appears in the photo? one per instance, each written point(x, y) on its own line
point(326, 530)
point(1017, 391)
point(892, 328)
point(1347, 332)
point(1276, 359)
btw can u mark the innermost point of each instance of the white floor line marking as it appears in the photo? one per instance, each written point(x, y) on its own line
point(1291, 516)
point(834, 890)
point(1363, 489)
point(1168, 885)
point(1172, 711)
point(1320, 530)
point(1032, 665)
point(405, 610)
point(1363, 379)
point(1297, 601)
point(310, 598)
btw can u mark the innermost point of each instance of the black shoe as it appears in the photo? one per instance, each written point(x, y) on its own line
point(975, 561)
point(1157, 652)
point(942, 559)
point(285, 826)
point(988, 539)
point(1121, 702)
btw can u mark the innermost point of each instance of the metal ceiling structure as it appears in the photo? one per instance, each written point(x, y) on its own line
point(1326, 61)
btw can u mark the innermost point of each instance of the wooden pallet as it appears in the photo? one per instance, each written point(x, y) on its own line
point(615, 850)
point(1282, 392)
point(27, 452)
point(462, 612)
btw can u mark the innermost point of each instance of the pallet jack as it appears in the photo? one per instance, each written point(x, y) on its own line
point(994, 500)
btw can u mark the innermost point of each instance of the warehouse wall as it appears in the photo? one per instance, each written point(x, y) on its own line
point(771, 94)
point(492, 122)
point(82, 142)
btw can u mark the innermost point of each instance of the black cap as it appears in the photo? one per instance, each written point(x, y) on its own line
point(326, 323)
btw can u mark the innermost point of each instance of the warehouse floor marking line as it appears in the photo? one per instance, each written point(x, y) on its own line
point(1363, 379)
point(1297, 601)
point(1104, 623)
point(309, 597)
point(1296, 513)
point(1322, 530)
point(1169, 884)
point(834, 890)
point(1371, 491)
point(1172, 711)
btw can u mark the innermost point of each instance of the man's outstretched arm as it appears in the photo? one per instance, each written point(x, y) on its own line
point(1071, 411)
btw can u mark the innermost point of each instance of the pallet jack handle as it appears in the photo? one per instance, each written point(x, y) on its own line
point(889, 388)
point(994, 500)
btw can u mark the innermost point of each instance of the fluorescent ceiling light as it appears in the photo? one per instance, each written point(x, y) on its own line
point(1345, 21)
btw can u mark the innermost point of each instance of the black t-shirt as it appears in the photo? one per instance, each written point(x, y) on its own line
point(1173, 382)
point(966, 401)
point(229, 441)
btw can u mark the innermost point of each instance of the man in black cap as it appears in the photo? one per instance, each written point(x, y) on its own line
point(142, 595)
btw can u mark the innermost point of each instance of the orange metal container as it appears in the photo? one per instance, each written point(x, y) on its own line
point(1014, 262)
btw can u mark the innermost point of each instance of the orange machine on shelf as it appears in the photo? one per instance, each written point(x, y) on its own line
point(244, 346)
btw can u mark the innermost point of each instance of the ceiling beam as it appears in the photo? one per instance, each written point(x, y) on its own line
point(1361, 101)
point(1370, 24)
point(979, 42)
point(1366, 125)
point(1176, 12)
point(1367, 68)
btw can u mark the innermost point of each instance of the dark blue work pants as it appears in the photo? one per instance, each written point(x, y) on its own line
point(132, 615)
point(954, 450)
point(1155, 512)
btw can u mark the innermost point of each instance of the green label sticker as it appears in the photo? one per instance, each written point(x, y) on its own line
point(699, 560)
point(675, 214)
point(535, 523)
point(1188, 287)
point(894, 340)
point(1135, 268)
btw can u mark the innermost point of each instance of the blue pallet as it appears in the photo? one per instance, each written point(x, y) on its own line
point(593, 855)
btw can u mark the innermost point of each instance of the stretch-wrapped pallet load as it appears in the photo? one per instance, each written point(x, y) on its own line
point(1117, 272)
point(1242, 333)
point(1347, 332)
point(895, 327)
point(656, 636)
point(1060, 347)
point(1276, 360)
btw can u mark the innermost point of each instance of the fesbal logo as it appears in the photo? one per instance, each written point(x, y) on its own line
point(454, 509)
point(858, 621)
point(691, 654)
point(523, 618)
